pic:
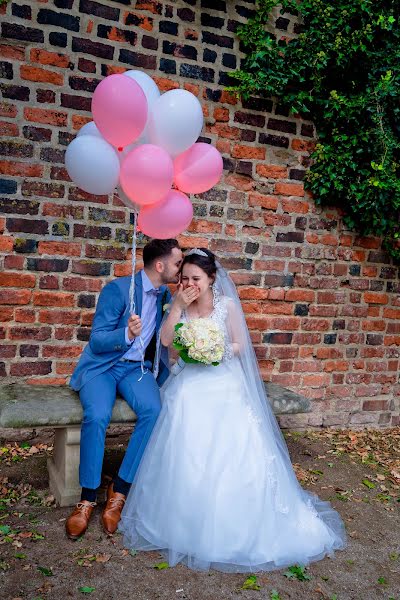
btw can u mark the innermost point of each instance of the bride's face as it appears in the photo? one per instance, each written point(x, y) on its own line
point(193, 275)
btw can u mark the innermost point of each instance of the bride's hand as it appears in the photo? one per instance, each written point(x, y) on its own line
point(185, 297)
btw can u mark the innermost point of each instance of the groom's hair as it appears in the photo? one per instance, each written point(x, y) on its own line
point(156, 249)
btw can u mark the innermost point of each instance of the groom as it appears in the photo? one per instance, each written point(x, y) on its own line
point(111, 363)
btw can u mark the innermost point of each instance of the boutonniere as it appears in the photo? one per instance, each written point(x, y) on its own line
point(166, 307)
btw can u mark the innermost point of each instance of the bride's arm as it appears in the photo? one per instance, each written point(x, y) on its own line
point(182, 299)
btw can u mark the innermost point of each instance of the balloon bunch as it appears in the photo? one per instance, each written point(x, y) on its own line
point(144, 144)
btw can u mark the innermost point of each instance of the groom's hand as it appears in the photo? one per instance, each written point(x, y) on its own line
point(134, 326)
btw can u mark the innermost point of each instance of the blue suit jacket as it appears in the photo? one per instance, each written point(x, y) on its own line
point(107, 343)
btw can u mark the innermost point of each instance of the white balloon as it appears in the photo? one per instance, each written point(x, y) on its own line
point(92, 164)
point(175, 121)
point(148, 86)
point(89, 129)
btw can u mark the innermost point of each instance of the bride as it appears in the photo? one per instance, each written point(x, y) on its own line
point(216, 488)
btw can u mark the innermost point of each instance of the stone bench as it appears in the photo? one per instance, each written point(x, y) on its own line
point(28, 406)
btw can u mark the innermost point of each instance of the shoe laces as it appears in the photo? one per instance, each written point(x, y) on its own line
point(85, 506)
point(117, 502)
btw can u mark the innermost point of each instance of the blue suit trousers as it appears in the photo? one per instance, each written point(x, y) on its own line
point(97, 398)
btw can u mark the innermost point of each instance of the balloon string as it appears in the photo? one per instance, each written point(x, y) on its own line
point(132, 306)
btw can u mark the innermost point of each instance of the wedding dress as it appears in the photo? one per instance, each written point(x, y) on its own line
point(216, 488)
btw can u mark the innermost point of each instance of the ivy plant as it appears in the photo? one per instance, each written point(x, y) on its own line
point(340, 69)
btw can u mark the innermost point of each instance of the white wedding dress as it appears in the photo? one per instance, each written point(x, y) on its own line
point(215, 489)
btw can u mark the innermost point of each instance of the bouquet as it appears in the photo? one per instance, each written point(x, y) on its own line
point(199, 341)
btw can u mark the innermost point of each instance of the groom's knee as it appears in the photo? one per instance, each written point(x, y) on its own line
point(151, 409)
point(97, 415)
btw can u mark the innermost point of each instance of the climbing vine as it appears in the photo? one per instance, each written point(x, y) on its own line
point(340, 69)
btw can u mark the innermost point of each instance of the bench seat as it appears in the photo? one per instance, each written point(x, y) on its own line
point(36, 406)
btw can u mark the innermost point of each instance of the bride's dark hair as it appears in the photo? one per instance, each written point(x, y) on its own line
point(206, 263)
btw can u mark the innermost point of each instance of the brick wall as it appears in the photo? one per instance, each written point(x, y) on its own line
point(323, 304)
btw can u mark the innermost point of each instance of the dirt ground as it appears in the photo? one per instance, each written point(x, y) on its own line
point(358, 472)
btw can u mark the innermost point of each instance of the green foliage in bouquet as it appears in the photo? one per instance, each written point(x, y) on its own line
point(342, 72)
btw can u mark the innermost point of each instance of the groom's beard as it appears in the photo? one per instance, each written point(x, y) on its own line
point(170, 278)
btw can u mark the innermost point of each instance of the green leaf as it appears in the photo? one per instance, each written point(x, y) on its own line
point(178, 326)
point(5, 529)
point(251, 583)
point(394, 556)
point(297, 572)
point(46, 572)
point(161, 566)
point(275, 595)
point(369, 484)
point(382, 581)
point(86, 589)
point(20, 555)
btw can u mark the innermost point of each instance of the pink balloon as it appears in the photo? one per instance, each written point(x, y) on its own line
point(198, 169)
point(146, 175)
point(119, 109)
point(168, 218)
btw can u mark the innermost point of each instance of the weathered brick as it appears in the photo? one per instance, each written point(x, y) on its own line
point(99, 10)
point(27, 226)
point(137, 59)
point(51, 17)
point(19, 207)
point(20, 32)
point(273, 140)
point(16, 92)
point(94, 48)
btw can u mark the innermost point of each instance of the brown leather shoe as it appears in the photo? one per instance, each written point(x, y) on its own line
point(78, 521)
point(112, 511)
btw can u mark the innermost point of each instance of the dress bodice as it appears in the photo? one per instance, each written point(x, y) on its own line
point(220, 316)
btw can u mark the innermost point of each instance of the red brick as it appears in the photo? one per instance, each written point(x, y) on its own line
point(375, 405)
point(8, 110)
point(30, 333)
point(221, 114)
point(80, 284)
point(240, 182)
point(14, 297)
point(336, 365)
point(20, 169)
point(60, 248)
point(6, 244)
point(303, 145)
point(6, 314)
point(60, 317)
point(65, 368)
point(79, 121)
point(249, 152)
point(300, 296)
point(376, 298)
point(20, 280)
point(37, 74)
point(202, 226)
point(47, 116)
point(25, 315)
point(224, 131)
point(289, 189)
point(316, 380)
point(8, 129)
point(391, 313)
point(13, 52)
point(44, 57)
point(295, 206)
point(64, 333)
point(269, 202)
point(53, 299)
point(54, 351)
point(272, 171)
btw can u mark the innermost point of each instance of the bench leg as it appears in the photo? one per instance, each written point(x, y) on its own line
point(63, 466)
